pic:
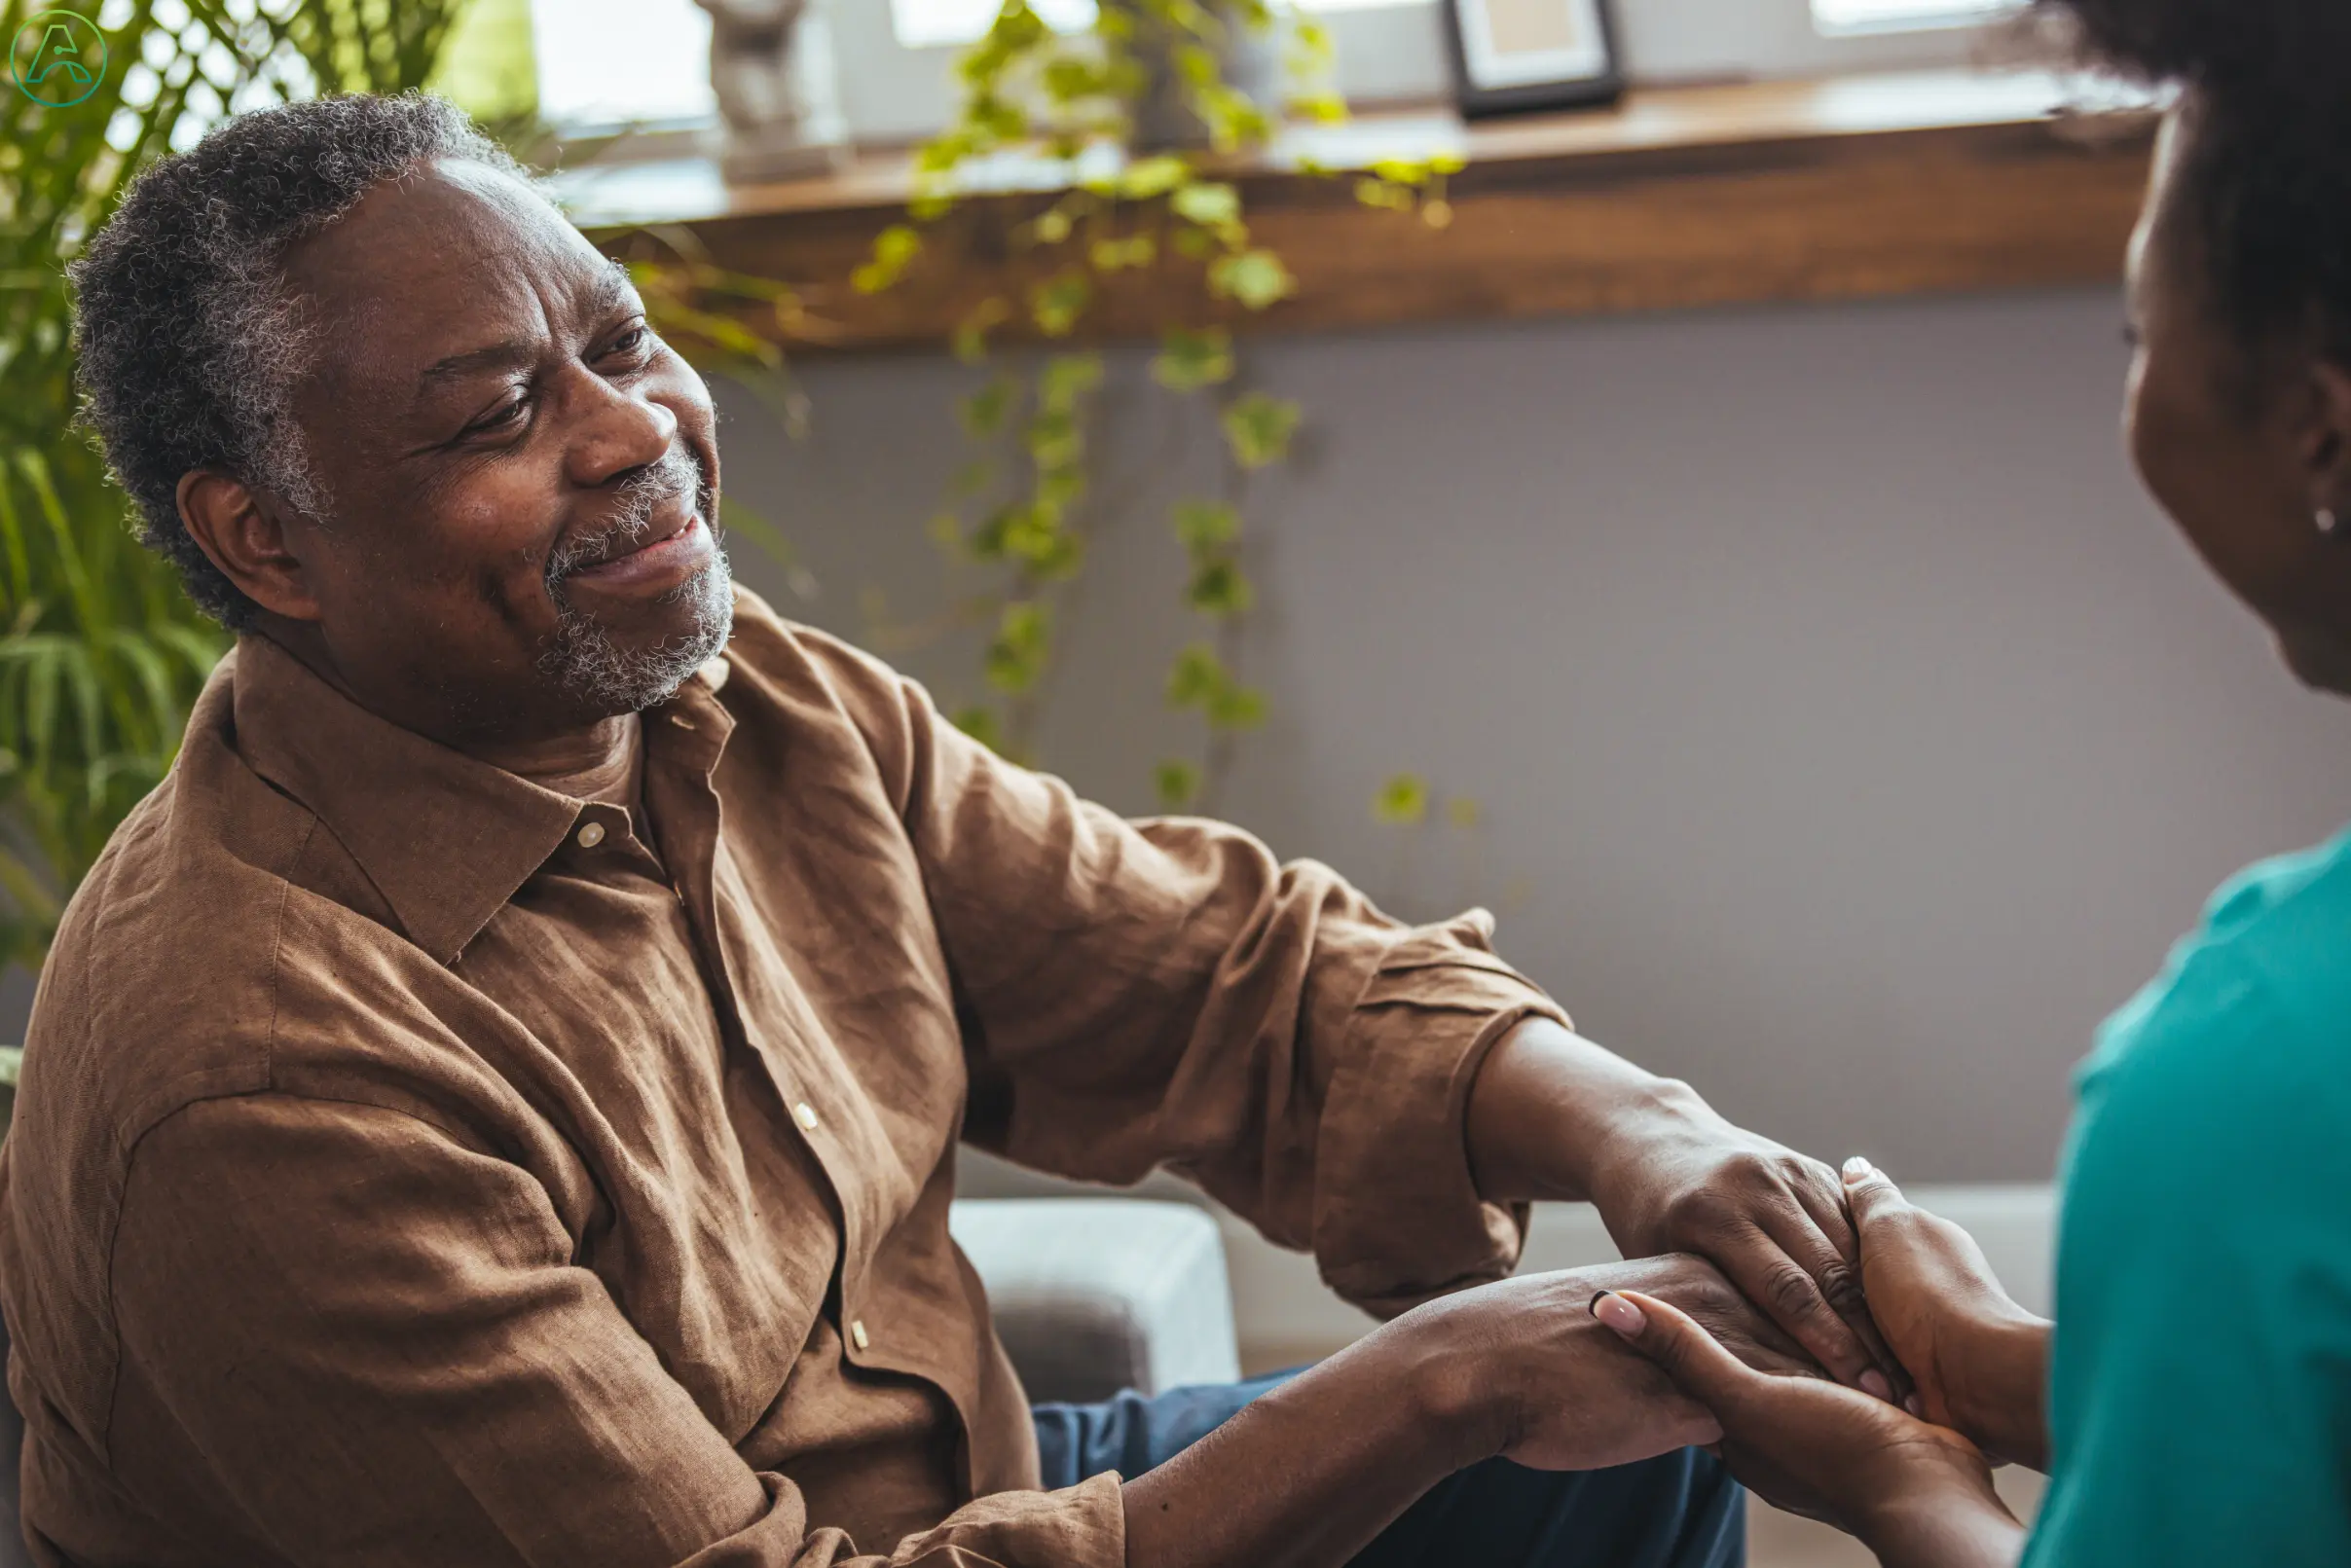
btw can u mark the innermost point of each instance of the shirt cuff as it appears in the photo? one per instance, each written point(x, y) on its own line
point(1397, 1215)
point(1082, 1526)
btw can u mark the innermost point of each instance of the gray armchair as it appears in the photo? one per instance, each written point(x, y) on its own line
point(1092, 1295)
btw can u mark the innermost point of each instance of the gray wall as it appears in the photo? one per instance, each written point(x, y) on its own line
point(1852, 734)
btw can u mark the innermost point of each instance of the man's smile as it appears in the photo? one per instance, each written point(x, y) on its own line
point(672, 552)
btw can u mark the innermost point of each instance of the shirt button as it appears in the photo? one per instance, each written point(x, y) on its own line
point(856, 1333)
point(806, 1116)
point(591, 835)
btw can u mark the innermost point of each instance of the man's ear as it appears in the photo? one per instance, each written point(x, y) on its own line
point(246, 539)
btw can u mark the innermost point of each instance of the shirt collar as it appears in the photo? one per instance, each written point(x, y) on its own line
point(447, 839)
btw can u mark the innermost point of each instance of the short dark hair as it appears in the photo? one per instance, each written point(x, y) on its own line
point(2266, 182)
point(191, 341)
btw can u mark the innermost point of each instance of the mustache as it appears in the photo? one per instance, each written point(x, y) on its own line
point(679, 472)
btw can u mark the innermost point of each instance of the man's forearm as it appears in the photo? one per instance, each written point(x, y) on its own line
point(1546, 1106)
point(1307, 1475)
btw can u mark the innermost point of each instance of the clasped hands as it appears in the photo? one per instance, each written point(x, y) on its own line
point(1757, 1271)
point(1914, 1483)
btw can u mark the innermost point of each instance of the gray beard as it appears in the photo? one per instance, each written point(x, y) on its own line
point(583, 660)
point(582, 657)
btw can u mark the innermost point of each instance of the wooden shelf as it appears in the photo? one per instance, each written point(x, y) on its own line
point(1853, 187)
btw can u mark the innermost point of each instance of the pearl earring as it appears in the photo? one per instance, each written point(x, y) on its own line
point(2327, 520)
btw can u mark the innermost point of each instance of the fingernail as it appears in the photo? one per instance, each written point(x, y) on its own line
point(1875, 1385)
point(1618, 1313)
point(1858, 1169)
point(1913, 1406)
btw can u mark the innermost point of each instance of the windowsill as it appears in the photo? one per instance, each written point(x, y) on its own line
point(1848, 187)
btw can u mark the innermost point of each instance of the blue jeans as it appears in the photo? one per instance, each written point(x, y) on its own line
point(1682, 1510)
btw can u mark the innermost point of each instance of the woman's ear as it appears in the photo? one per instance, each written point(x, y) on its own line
point(2326, 440)
point(246, 537)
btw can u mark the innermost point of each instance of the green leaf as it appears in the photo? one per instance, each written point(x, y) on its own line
point(1054, 440)
point(1015, 657)
point(1067, 378)
point(1057, 305)
point(1320, 108)
point(1219, 588)
point(1210, 203)
point(1258, 427)
point(1060, 489)
point(1197, 677)
point(970, 341)
point(893, 251)
point(1178, 784)
point(1069, 78)
point(1152, 176)
point(984, 411)
point(1257, 278)
point(1203, 527)
point(1188, 360)
point(1236, 707)
point(1402, 801)
point(1118, 255)
point(1031, 533)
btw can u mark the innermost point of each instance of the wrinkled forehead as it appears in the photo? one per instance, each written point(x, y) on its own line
point(448, 258)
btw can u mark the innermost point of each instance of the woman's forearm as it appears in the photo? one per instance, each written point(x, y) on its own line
point(1946, 1527)
point(1307, 1475)
point(2000, 1397)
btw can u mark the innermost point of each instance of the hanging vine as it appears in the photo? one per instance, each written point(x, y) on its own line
point(1025, 511)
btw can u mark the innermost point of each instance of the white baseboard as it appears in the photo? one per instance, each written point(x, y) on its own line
point(1285, 1314)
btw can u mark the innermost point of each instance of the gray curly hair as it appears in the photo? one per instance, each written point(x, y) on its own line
point(191, 341)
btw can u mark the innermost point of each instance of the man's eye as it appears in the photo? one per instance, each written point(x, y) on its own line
point(500, 417)
point(629, 342)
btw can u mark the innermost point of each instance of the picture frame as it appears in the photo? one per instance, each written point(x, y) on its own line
point(1512, 56)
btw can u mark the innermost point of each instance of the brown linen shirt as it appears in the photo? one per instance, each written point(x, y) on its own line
point(411, 1168)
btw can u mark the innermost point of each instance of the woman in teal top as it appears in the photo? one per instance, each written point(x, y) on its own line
point(2197, 1383)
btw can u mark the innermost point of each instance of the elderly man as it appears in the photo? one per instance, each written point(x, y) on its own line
point(497, 1100)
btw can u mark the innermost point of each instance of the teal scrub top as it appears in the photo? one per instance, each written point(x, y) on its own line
point(2200, 1381)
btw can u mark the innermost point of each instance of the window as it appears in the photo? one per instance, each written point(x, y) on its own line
point(1867, 15)
point(606, 63)
point(610, 63)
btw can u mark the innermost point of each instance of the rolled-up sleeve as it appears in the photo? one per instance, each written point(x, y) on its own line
point(1165, 992)
point(367, 1342)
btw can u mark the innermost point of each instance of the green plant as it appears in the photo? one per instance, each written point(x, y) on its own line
point(100, 652)
point(1025, 511)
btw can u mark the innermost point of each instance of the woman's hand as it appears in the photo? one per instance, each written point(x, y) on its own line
point(1917, 1495)
point(1980, 1361)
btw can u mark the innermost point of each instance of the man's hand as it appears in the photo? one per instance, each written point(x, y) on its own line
point(1979, 1360)
point(1307, 1474)
point(1917, 1495)
point(1553, 1116)
point(1556, 1389)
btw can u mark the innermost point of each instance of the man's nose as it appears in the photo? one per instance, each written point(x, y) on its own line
point(618, 432)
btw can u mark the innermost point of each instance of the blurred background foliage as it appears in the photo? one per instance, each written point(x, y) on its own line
point(100, 652)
